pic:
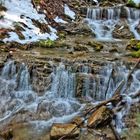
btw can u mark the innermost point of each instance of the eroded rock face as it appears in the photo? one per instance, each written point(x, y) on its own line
point(122, 31)
point(59, 130)
point(101, 117)
point(138, 28)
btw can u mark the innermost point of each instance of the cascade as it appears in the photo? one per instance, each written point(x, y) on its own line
point(59, 102)
point(133, 17)
point(63, 83)
point(103, 20)
point(16, 91)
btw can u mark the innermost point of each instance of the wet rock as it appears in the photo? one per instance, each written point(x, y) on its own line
point(80, 48)
point(79, 87)
point(113, 50)
point(59, 130)
point(83, 29)
point(6, 135)
point(122, 31)
point(100, 117)
point(78, 29)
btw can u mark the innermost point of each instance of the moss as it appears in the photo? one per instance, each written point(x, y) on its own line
point(96, 46)
point(136, 54)
point(138, 45)
point(133, 45)
point(46, 43)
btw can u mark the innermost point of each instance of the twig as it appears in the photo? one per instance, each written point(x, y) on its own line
point(119, 88)
point(96, 133)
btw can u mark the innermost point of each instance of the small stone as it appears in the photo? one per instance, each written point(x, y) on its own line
point(60, 130)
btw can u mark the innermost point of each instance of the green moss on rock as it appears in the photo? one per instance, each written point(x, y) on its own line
point(136, 54)
point(95, 45)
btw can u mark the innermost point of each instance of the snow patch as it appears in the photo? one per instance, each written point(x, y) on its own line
point(59, 20)
point(69, 12)
point(19, 11)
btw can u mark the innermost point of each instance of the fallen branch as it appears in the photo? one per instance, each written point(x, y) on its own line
point(109, 81)
point(114, 98)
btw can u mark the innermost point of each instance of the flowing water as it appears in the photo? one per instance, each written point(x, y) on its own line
point(59, 103)
point(103, 20)
point(16, 93)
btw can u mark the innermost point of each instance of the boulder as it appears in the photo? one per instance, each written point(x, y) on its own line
point(100, 117)
point(80, 48)
point(60, 130)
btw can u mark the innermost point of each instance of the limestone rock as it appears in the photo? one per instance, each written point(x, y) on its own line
point(100, 117)
point(59, 130)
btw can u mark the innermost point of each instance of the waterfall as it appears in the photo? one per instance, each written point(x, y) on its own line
point(103, 20)
point(59, 102)
point(9, 70)
point(23, 78)
point(102, 86)
point(133, 17)
point(63, 83)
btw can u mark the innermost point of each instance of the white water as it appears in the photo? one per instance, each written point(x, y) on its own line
point(133, 20)
point(59, 103)
point(16, 93)
point(103, 20)
point(96, 88)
